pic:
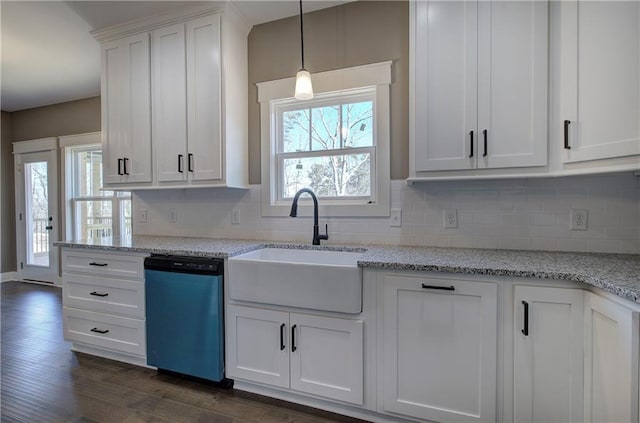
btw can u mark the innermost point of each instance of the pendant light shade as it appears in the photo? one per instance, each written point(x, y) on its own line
point(304, 88)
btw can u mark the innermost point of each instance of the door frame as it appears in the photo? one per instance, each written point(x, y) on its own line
point(46, 149)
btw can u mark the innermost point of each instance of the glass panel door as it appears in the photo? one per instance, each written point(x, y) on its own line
point(37, 219)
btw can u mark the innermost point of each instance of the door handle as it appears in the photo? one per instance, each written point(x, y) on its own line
point(566, 135)
point(525, 330)
point(282, 346)
point(119, 166)
point(93, 263)
point(49, 228)
point(471, 143)
point(102, 331)
point(484, 134)
point(124, 170)
point(180, 163)
point(190, 164)
point(99, 294)
point(441, 288)
point(293, 338)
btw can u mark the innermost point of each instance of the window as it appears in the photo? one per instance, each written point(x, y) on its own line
point(93, 214)
point(336, 144)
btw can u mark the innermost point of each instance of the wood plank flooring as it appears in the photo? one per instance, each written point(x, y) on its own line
point(44, 381)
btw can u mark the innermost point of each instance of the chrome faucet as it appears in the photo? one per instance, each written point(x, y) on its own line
point(294, 213)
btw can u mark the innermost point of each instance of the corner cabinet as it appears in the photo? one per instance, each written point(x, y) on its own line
point(439, 348)
point(317, 355)
point(600, 80)
point(479, 77)
point(181, 104)
point(126, 110)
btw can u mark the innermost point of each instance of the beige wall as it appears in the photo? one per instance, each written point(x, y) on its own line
point(349, 35)
point(73, 117)
point(7, 202)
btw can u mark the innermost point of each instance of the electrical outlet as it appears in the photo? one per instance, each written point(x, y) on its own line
point(450, 218)
point(579, 219)
point(395, 219)
point(141, 216)
point(235, 217)
point(173, 215)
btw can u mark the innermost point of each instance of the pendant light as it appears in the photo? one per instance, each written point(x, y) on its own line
point(304, 89)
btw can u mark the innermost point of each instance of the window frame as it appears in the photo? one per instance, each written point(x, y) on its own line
point(71, 145)
point(331, 88)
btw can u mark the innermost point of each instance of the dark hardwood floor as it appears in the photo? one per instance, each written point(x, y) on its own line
point(44, 381)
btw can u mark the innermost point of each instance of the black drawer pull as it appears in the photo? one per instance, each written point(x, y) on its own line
point(93, 263)
point(96, 330)
point(525, 331)
point(282, 346)
point(441, 288)
point(471, 143)
point(566, 135)
point(124, 167)
point(180, 162)
point(190, 162)
point(119, 166)
point(486, 150)
point(293, 338)
point(99, 294)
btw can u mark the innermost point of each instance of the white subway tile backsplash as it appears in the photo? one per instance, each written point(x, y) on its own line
point(513, 214)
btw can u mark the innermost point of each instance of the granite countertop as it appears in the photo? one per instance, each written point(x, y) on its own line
point(615, 273)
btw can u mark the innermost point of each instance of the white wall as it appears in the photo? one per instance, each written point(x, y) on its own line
point(530, 214)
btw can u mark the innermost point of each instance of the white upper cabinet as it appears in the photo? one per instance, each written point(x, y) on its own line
point(194, 85)
point(479, 84)
point(600, 79)
point(126, 110)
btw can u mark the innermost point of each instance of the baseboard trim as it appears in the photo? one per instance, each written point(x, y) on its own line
point(8, 276)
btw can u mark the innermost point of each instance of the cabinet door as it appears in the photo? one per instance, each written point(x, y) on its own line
point(327, 357)
point(611, 361)
point(444, 75)
point(170, 102)
point(113, 119)
point(512, 83)
point(548, 351)
point(600, 78)
point(439, 348)
point(257, 345)
point(204, 98)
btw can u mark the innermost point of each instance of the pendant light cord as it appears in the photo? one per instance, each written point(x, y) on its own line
point(301, 36)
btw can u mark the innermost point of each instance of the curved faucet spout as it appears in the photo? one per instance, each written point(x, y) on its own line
point(294, 213)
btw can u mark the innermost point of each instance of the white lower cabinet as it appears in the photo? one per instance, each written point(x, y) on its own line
point(611, 361)
point(317, 355)
point(548, 351)
point(439, 348)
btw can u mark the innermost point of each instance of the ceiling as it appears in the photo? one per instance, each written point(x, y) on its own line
point(48, 55)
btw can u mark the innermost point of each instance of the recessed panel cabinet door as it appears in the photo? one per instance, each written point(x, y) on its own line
point(327, 357)
point(204, 96)
point(512, 83)
point(439, 348)
point(600, 79)
point(445, 81)
point(258, 345)
point(548, 345)
point(611, 361)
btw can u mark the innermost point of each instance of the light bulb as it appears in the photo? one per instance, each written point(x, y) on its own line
point(304, 89)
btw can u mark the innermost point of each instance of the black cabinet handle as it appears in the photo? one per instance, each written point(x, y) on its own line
point(293, 338)
point(180, 163)
point(119, 166)
point(441, 288)
point(96, 330)
point(190, 162)
point(486, 151)
point(49, 228)
point(566, 135)
point(99, 294)
point(525, 331)
point(471, 143)
point(124, 167)
point(282, 346)
point(93, 263)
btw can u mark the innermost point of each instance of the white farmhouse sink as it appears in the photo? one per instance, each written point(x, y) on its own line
point(315, 279)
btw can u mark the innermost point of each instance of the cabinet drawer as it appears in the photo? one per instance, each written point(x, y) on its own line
point(116, 333)
point(114, 296)
point(103, 264)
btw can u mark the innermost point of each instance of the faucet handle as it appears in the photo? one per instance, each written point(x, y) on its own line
point(326, 232)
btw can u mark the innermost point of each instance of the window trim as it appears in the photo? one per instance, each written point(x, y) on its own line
point(375, 78)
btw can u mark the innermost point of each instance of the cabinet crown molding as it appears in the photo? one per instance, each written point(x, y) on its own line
point(169, 17)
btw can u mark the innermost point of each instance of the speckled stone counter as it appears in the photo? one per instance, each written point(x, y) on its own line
point(616, 273)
